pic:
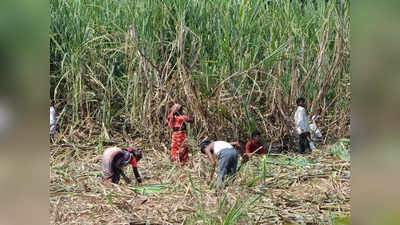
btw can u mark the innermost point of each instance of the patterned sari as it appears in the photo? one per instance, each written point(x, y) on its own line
point(179, 151)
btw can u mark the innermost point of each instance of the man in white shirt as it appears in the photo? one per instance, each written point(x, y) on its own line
point(302, 126)
point(227, 156)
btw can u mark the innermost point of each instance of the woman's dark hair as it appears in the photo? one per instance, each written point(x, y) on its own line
point(203, 145)
point(255, 133)
point(300, 100)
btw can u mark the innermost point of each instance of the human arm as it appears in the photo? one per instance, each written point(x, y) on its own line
point(260, 148)
point(208, 152)
point(127, 180)
point(187, 119)
point(236, 145)
point(169, 120)
point(137, 175)
point(245, 157)
point(248, 144)
point(135, 170)
point(262, 151)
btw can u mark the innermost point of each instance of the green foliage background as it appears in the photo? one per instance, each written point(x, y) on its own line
point(235, 65)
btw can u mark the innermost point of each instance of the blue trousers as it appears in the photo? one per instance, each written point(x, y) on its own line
point(227, 164)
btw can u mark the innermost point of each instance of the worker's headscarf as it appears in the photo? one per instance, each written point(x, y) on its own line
point(176, 107)
point(136, 152)
point(315, 117)
point(171, 118)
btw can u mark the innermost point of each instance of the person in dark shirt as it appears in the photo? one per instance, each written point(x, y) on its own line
point(254, 146)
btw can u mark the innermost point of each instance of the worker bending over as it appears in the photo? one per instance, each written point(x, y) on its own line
point(227, 157)
point(115, 159)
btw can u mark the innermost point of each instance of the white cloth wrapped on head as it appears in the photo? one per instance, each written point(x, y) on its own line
point(315, 117)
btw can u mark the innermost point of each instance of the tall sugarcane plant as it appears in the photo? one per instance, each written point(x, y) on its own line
point(234, 64)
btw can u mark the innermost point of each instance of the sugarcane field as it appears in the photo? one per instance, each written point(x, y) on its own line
point(200, 112)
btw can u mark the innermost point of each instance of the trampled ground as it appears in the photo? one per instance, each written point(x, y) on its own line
point(285, 188)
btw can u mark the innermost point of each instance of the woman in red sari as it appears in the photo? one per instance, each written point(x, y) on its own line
point(176, 121)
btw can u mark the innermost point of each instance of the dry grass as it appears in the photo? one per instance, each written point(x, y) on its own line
point(309, 189)
point(119, 68)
